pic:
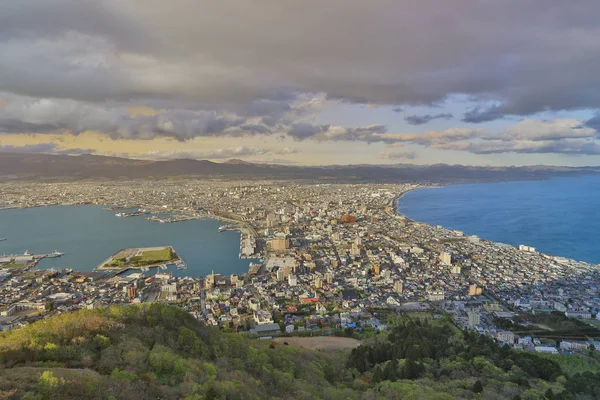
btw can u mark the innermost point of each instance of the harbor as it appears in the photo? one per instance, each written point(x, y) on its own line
point(26, 260)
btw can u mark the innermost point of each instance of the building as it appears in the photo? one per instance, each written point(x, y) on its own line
point(446, 258)
point(436, 295)
point(578, 314)
point(474, 290)
point(131, 292)
point(280, 243)
point(398, 286)
point(376, 269)
point(280, 275)
point(318, 283)
point(329, 277)
point(528, 249)
point(292, 280)
point(348, 219)
point(456, 270)
point(262, 317)
point(267, 329)
point(505, 337)
point(474, 318)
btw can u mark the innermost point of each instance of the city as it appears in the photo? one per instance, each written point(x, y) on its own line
point(334, 259)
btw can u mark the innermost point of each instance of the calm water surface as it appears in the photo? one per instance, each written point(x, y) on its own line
point(558, 216)
point(88, 235)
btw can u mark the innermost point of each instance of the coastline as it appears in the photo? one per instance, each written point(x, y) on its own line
point(484, 237)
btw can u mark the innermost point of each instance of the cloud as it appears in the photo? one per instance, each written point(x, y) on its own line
point(593, 122)
point(558, 136)
point(23, 114)
point(398, 109)
point(562, 146)
point(397, 155)
point(423, 119)
point(196, 53)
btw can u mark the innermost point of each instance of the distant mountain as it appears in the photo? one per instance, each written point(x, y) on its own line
point(63, 167)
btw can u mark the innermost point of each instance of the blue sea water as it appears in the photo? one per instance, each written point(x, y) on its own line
point(558, 216)
point(88, 235)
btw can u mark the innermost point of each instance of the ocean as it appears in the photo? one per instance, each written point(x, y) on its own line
point(559, 216)
point(88, 235)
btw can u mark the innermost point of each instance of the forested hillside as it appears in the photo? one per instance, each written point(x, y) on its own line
point(157, 351)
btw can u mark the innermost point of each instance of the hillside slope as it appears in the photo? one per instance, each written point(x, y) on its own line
point(157, 351)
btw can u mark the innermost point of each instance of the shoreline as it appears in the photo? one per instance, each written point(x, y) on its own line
point(495, 242)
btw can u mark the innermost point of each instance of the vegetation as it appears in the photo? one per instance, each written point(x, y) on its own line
point(13, 265)
point(149, 257)
point(553, 325)
point(157, 351)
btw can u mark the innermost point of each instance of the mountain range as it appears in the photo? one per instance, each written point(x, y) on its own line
point(65, 167)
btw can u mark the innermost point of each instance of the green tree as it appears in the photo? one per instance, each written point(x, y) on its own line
point(478, 387)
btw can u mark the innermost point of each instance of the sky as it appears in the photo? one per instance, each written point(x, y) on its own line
point(478, 82)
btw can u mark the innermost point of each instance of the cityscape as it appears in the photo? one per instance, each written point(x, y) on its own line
point(332, 257)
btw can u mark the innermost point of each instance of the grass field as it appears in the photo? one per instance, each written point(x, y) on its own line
point(157, 255)
point(13, 265)
point(320, 342)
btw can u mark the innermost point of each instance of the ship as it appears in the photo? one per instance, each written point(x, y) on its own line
point(180, 265)
point(163, 266)
point(27, 253)
point(55, 254)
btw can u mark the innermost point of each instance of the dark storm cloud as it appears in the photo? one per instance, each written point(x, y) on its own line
point(478, 115)
point(525, 55)
point(593, 122)
point(423, 119)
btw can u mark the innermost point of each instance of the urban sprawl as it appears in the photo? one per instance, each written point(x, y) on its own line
point(333, 257)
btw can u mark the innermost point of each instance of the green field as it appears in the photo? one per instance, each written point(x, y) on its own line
point(148, 257)
point(165, 254)
point(13, 265)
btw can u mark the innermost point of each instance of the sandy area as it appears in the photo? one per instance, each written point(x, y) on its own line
point(320, 342)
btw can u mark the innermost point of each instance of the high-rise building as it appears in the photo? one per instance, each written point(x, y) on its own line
point(455, 270)
point(446, 258)
point(474, 290)
point(292, 280)
point(329, 277)
point(376, 269)
point(318, 283)
point(398, 286)
point(474, 318)
point(280, 275)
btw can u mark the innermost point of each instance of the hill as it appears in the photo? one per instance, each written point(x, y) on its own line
point(64, 167)
point(157, 351)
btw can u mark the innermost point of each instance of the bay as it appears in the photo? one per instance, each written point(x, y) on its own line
point(558, 216)
point(88, 235)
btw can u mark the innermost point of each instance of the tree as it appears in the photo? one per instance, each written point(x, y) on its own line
point(477, 387)
point(48, 384)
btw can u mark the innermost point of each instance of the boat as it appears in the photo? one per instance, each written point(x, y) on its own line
point(2, 239)
point(27, 253)
point(55, 254)
point(120, 214)
point(163, 266)
point(180, 265)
